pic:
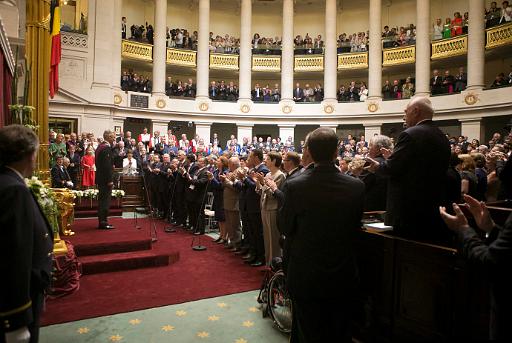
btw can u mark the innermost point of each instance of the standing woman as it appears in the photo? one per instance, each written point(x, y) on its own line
point(269, 205)
point(447, 28)
point(88, 168)
point(218, 197)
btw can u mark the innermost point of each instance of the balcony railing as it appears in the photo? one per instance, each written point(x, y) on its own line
point(224, 61)
point(450, 47)
point(400, 55)
point(179, 57)
point(136, 50)
point(74, 40)
point(499, 36)
point(266, 63)
point(355, 60)
point(309, 63)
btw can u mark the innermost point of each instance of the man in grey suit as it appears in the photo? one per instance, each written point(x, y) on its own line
point(321, 273)
point(231, 210)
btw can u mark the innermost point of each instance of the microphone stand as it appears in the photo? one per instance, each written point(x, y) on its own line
point(200, 247)
point(152, 224)
point(170, 228)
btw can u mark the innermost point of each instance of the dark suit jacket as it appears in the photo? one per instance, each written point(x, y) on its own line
point(59, 176)
point(104, 163)
point(436, 86)
point(252, 198)
point(26, 245)
point(279, 194)
point(320, 260)
point(199, 182)
point(298, 95)
point(375, 189)
point(76, 161)
point(416, 174)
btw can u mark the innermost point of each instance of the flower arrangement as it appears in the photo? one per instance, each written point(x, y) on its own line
point(78, 194)
point(91, 193)
point(117, 193)
point(46, 201)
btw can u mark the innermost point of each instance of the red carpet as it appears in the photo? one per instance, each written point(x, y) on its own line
point(196, 275)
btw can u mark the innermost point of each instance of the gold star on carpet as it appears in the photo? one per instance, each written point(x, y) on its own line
point(167, 328)
point(241, 340)
point(248, 324)
point(181, 313)
point(213, 318)
point(253, 309)
point(222, 305)
point(135, 321)
point(116, 338)
point(82, 330)
point(203, 334)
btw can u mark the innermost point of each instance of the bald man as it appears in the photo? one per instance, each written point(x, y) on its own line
point(416, 172)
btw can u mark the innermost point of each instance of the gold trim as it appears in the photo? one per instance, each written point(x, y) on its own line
point(160, 103)
point(16, 310)
point(357, 60)
point(179, 57)
point(203, 106)
point(224, 61)
point(266, 63)
point(328, 109)
point(118, 99)
point(471, 99)
point(136, 50)
point(286, 109)
point(308, 63)
point(373, 107)
point(245, 108)
point(499, 36)
point(450, 47)
point(400, 55)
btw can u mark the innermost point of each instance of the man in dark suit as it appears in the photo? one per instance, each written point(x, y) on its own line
point(416, 171)
point(436, 83)
point(26, 239)
point(60, 176)
point(198, 181)
point(74, 164)
point(298, 93)
point(292, 166)
point(104, 173)
point(253, 208)
point(321, 272)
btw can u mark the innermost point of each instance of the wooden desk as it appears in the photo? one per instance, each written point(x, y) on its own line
point(133, 187)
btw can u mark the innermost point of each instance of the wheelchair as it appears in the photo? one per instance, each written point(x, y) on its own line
point(274, 297)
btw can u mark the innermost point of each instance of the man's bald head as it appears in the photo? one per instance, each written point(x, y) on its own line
point(419, 109)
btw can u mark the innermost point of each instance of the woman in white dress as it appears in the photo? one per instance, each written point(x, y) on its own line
point(129, 164)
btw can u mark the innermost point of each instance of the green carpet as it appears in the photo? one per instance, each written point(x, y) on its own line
point(233, 318)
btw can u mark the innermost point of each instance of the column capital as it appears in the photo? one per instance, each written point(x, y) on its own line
point(286, 125)
point(203, 123)
point(470, 120)
point(244, 125)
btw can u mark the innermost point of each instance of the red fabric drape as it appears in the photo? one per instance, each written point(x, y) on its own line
point(5, 90)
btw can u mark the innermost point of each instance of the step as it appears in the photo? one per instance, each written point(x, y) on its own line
point(125, 261)
point(109, 247)
point(91, 213)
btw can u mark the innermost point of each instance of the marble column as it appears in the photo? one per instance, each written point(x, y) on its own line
point(423, 47)
point(330, 53)
point(159, 47)
point(471, 128)
point(476, 45)
point(245, 76)
point(161, 126)
point(116, 45)
point(370, 130)
point(244, 130)
point(287, 53)
point(203, 53)
point(203, 130)
point(287, 130)
point(375, 53)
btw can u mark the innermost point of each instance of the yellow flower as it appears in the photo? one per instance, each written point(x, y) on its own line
point(181, 313)
point(222, 305)
point(203, 334)
point(167, 328)
point(253, 309)
point(82, 330)
point(241, 340)
point(248, 324)
point(135, 321)
point(213, 318)
point(116, 338)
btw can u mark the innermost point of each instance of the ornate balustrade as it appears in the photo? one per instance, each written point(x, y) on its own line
point(499, 36)
point(74, 40)
point(266, 63)
point(356, 60)
point(400, 55)
point(185, 58)
point(450, 47)
point(136, 50)
point(308, 63)
point(224, 61)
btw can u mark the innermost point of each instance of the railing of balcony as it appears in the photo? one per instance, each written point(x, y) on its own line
point(309, 63)
point(224, 61)
point(74, 40)
point(400, 55)
point(355, 60)
point(450, 47)
point(266, 63)
point(499, 36)
point(180, 57)
point(136, 50)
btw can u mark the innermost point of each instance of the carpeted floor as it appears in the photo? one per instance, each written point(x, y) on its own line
point(196, 275)
point(227, 319)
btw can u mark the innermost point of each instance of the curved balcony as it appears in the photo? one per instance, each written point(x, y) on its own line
point(400, 55)
point(499, 36)
point(266, 63)
point(224, 61)
point(180, 57)
point(450, 47)
point(353, 60)
point(136, 50)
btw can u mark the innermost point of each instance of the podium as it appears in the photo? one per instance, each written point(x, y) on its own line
point(133, 187)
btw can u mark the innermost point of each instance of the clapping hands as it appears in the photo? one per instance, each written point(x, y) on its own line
point(459, 222)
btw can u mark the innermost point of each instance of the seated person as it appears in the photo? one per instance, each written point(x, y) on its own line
point(60, 176)
point(129, 164)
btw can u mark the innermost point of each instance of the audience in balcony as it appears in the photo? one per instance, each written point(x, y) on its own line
point(457, 23)
point(132, 82)
point(394, 37)
point(400, 89)
point(502, 81)
point(224, 45)
point(448, 83)
point(123, 28)
point(436, 83)
point(219, 90)
point(461, 80)
point(496, 16)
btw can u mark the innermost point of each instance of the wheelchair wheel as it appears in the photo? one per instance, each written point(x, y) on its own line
point(279, 302)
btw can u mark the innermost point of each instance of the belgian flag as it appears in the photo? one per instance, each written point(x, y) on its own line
point(56, 48)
